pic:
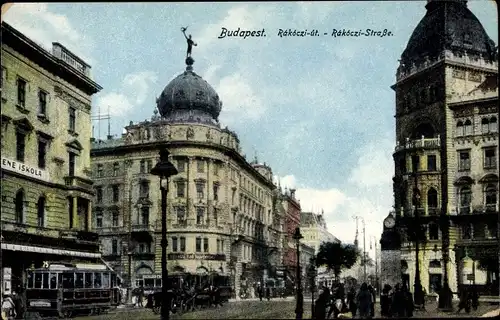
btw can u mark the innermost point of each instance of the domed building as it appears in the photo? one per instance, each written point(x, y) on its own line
point(446, 154)
point(220, 206)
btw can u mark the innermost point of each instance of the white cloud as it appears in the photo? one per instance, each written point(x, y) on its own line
point(374, 165)
point(43, 26)
point(133, 93)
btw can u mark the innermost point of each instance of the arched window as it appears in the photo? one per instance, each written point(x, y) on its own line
point(468, 128)
point(433, 231)
point(432, 198)
point(490, 195)
point(460, 129)
point(20, 206)
point(465, 199)
point(493, 124)
point(485, 125)
point(41, 211)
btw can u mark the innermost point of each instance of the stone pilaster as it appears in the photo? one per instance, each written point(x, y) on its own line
point(191, 191)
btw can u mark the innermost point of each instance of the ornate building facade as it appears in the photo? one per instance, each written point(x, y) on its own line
point(220, 206)
point(292, 221)
point(446, 155)
point(46, 183)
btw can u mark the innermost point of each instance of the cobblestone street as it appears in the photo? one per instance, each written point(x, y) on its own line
point(274, 309)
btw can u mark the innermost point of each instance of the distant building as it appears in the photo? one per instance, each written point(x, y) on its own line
point(292, 221)
point(220, 206)
point(446, 154)
point(46, 181)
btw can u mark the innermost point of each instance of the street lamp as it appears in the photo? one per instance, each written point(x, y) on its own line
point(299, 308)
point(418, 296)
point(376, 261)
point(164, 169)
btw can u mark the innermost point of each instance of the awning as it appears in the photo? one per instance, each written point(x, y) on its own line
point(23, 248)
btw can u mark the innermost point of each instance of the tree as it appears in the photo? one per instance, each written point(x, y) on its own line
point(336, 256)
point(368, 260)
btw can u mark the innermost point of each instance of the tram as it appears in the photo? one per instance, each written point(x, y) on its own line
point(67, 289)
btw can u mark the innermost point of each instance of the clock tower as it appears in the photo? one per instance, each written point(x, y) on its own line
point(390, 245)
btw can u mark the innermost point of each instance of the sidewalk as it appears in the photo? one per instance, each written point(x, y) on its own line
point(491, 314)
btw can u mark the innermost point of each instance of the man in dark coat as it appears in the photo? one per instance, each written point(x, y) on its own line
point(374, 300)
point(398, 309)
point(385, 301)
point(321, 303)
point(408, 298)
point(260, 291)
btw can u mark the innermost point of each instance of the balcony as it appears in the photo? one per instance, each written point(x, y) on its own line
point(78, 182)
point(428, 143)
point(465, 210)
point(113, 229)
point(144, 255)
point(490, 208)
point(179, 224)
point(433, 211)
point(143, 228)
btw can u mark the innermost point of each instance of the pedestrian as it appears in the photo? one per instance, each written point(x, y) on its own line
point(464, 302)
point(474, 298)
point(408, 302)
point(8, 308)
point(374, 300)
point(397, 308)
point(268, 293)
point(364, 301)
point(321, 303)
point(385, 301)
point(351, 301)
point(260, 291)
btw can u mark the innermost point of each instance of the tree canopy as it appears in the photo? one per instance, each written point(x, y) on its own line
point(336, 256)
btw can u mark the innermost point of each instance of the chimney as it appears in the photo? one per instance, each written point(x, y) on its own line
point(292, 193)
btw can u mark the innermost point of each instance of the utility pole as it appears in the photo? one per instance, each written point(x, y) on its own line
point(363, 260)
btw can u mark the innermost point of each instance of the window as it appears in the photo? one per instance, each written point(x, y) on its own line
point(205, 244)
point(98, 191)
point(233, 196)
point(431, 163)
point(114, 247)
point(116, 193)
point(115, 217)
point(42, 103)
point(183, 244)
point(432, 198)
point(20, 145)
point(174, 244)
point(216, 191)
point(490, 195)
point(116, 169)
point(3, 76)
point(41, 212)
point(21, 93)
point(181, 214)
point(98, 219)
point(415, 162)
point(216, 169)
point(490, 159)
point(181, 165)
point(144, 189)
point(433, 231)
point(150, 165)
point(143, 166)
point(485, 125)
point(200, 186)
point(20, 206)
point(200, 213)
point(468, 127)
point(72, 119)
point(216, 216)
point(435, 282)
point(218, 246)
point(493, 124)
point(464, 161)
point(198, 244)
point(181, 188)
point(460, 129)
point(145, 215)
point(465, 197)
point(72, 160)
point(201, 166)
point(42, 153)
point(467, 231)
point(100, 170)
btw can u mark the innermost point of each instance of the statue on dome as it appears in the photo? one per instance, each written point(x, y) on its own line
point(190, 42)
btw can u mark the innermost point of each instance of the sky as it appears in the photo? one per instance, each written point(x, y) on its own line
point(318, 110)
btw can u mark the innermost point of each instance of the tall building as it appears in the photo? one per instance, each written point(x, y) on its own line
point(446, 155)
point(220, 206)
point(46, 181)
point(292, 221)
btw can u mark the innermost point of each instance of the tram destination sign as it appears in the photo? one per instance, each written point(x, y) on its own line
point(196, 256)
point(24, 169)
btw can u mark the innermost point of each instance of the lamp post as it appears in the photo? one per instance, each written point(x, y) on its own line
point(164, 169)
point(299, 308)
point(364, 246)
point(312, 282)
point(376, 261)
point(418, 296)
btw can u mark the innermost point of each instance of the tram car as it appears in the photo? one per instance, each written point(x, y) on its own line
point(69, 289)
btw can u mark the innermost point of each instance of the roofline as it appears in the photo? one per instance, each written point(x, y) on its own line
point(54, 62)
point(472, 101)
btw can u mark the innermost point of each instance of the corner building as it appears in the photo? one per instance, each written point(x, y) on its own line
point(446, 151)
point(46, 182)
point(220, 207)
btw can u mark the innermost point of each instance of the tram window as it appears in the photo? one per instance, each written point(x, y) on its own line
point(79, 280)
point(45, 277)
point(158, 282)
point(30, 280)
point(149, 283)
point(38, 281)
point(88, 279)
point(105, 280)
point(68, 280)
point(113, 280)
point(53, 281)
point(97, 280)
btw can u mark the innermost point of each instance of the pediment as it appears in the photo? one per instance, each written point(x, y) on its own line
point(75, 144)
point(24, 123)
point(489, 178)
point(464, 181)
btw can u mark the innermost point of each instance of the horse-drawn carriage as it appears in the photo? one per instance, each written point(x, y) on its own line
point(188, 292)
